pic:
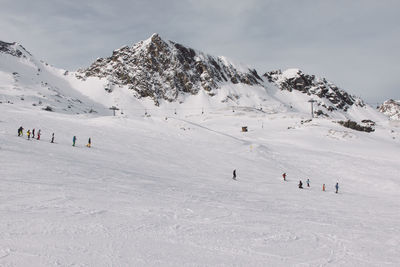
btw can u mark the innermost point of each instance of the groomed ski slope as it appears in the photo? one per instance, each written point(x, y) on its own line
point(158, 192)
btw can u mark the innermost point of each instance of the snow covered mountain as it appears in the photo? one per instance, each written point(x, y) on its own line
point(172, 76)
point(391, 108)
point(163, 69)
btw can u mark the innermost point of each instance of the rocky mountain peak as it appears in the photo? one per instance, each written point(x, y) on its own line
point(295, 79)
point(164, 70)
point(156, 38)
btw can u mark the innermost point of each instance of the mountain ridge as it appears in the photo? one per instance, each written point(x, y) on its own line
point(160, 70)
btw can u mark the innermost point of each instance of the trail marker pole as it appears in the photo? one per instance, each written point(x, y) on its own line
point(312, 107)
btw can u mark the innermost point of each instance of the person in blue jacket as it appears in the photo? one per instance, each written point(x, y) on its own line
point(73, 140)
point(337, 187)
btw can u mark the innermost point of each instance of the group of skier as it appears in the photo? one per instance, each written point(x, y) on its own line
point(31, 134)
point(308, 184)
point(300, 182)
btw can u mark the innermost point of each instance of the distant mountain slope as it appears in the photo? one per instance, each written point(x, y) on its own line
point(163, 69)
point(36, 84)
point(391, 108)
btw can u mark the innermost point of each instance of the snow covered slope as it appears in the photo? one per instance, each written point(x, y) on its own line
point(158, 192)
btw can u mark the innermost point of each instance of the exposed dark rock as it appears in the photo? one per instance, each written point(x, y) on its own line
point(48, 108)
point(355, 126)
point(320, 113)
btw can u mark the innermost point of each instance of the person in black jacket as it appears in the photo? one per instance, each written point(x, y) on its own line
point(20, 131)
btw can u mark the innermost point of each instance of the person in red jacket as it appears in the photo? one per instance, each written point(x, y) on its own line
point(284, 176)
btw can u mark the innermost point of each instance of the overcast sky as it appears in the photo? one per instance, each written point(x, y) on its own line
point(353, 43)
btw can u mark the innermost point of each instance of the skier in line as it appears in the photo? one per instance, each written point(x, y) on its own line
point(89, 144)
point(28, 133)
point(337, 187)
point(234, 175)
point(33, 133)
point(38, 135)
point(308, 182)
point(323, 187)
point(73, 140)
point(20, 131)
point(284, 176)
point(300, 184)
point(52, 138)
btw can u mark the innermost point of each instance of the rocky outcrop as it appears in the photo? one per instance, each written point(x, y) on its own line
point(355, 126)
point(163, 70)
point(391, 108)
point(294, 79)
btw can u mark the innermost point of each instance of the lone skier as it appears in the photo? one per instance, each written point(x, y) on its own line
point(323, 187)
point(300, 184)
point(73, 140)
point(234, 175)
point(284, 176)
point(337, 187)
point(52, 138)
point(89, 144)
